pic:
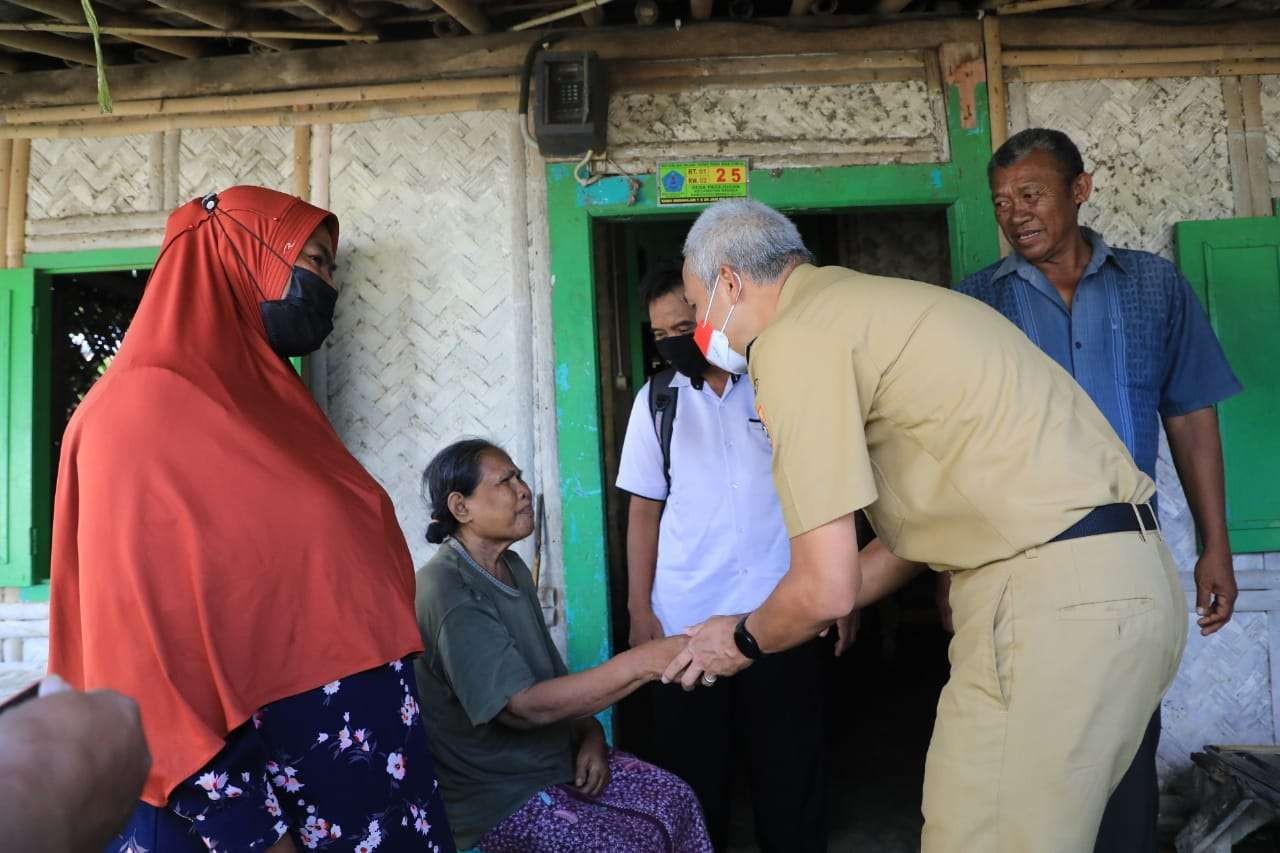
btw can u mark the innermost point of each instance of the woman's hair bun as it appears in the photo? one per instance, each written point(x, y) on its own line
point(436, 532)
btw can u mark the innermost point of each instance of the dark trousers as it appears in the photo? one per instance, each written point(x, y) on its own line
point(773, 715)
point(1129, 822)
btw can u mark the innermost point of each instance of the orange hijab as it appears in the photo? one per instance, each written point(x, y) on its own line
point(215, 547)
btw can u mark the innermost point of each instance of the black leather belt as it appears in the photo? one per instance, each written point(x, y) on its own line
point(1111, 518)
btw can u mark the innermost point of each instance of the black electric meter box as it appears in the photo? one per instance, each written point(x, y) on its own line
point(570, 104)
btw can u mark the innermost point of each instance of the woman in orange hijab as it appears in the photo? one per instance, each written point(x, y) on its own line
point(219, 556)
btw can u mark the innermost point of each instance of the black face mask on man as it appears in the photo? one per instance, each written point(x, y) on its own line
point(683, 354)
point(298, 322)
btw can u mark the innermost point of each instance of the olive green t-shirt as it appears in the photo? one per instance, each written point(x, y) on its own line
point(485, 642)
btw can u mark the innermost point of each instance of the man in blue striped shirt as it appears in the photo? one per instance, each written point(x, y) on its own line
point(1127, 326)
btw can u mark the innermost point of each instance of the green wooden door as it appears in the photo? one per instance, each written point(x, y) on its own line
point(1234, 267)
point(24, 419)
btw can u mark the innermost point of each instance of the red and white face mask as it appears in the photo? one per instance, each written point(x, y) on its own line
point(714, 343)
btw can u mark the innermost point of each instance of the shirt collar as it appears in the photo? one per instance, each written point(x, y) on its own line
point(682, 381)
point(796, 283)
point(1101, 252)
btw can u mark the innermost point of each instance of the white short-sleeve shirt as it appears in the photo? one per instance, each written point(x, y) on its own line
point(722, 545)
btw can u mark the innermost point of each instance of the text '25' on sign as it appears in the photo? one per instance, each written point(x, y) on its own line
point(702, 182)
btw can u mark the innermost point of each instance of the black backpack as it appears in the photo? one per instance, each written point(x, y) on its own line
point(662, 408)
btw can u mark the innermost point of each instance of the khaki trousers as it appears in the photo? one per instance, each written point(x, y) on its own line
point(1060, 657)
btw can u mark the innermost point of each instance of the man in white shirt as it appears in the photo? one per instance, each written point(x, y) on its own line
point(705, 535)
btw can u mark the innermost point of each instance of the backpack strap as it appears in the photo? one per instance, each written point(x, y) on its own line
point(662, 408)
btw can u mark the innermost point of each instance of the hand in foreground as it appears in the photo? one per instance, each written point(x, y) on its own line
point(1215, 590)
point(710, 654)
point(645, 627)
point(72, 766)
point(591, 773)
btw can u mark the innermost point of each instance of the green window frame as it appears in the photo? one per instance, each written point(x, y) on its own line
point(25, 354)
point(1233, 266)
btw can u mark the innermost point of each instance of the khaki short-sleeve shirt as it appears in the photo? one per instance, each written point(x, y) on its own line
point(963, 442)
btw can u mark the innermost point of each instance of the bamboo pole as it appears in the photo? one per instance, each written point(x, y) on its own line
point(1133, 56)
point(189, 32)
point(640, 71)
point(155, 171)
point(172, 168)
point(551, 17)
point(1057, 73)
point(835, 77)
point(1026, 6)
point(50, 45)
point(72, 12)
point(264, 118)
point(467, 13)
point(320, 167)
point(995, 81)
point(267, 100)
point(1255, 143)
point(16, 226)
point(1237, 154)
point(302, 161)
point(338, 12)
point(6, 156)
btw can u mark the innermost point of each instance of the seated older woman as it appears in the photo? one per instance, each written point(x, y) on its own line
point(523, 765)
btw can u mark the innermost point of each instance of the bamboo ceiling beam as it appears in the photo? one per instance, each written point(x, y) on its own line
point(468, 14)
point(1022, 7)
point(500, 54)
point(339, 13)
point(1100, 31)
point(72, 12)
point(1123, 56)
point(51, 45)
point(266, 100)
point(220, 16)
point(128, 32)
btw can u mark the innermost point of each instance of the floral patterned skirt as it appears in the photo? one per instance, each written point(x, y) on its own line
point(343, 767)
point(643, 809)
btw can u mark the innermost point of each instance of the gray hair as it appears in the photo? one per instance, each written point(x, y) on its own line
point(1055, 143)
point(746, 235)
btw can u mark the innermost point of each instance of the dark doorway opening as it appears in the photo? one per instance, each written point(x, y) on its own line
point(90, 314)
point(884, 690)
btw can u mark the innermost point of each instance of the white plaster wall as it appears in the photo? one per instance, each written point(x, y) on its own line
point(880, 122)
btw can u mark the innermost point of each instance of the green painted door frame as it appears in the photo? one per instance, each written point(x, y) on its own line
point(28, 483)
point(959, 185)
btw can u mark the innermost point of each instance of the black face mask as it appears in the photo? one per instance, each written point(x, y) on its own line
point(298, 323)
point(683, 354)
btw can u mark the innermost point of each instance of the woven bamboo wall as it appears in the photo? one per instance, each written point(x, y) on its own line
point(78, 177)
point(217, 158)
point(422, 349)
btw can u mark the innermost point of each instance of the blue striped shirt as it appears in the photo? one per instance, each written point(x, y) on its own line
point(1135, 337)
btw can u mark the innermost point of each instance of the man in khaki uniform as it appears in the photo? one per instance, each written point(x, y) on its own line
point(972, 451)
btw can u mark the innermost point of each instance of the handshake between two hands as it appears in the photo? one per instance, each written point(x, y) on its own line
point(707, 651)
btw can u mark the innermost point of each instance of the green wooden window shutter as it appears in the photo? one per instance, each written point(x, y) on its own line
point(24, 429)
point(1234, 267)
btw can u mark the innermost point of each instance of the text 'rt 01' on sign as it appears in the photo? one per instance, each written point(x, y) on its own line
point(702, 182)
